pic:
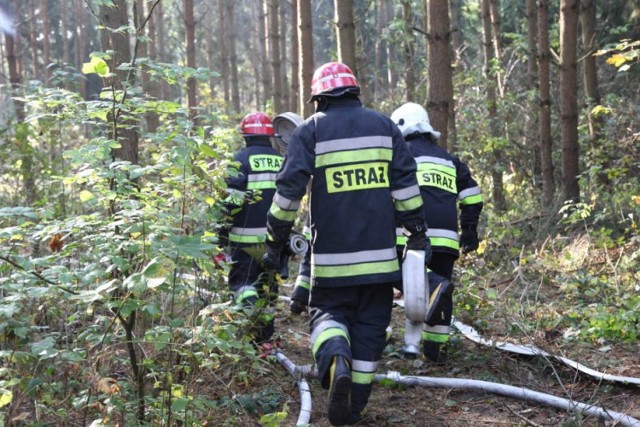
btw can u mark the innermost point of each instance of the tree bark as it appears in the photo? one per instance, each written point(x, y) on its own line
point(224, 53)
point(233, 58)
point(546, 143)
point(380, 50)
point(263, 50)
point(392, 54)
point(33, 43)
point(456, 30)
point(152, 87)
point(569, 96)
point(440, 73)
point(46, 42)
point(294, 94)
point(305, 42)
point(532, 126)
point(276, 62)
point(588, 21)
point(492, 106)
point(190, 27)
point(346, 33)
point(407, 51)
point(283, 57)
point(112, 18)
point(497, 45)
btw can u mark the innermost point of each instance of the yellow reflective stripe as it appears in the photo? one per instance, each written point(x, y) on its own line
point(401, 240)
point(438, 179)
point(362, 377)
point(353, 156)
point(261, 185)
point(303, 284)
point(356, 269)
point(241, 238)
point(443, 241)
point(326, 335)
point(265, 162)
point(281, 214)
point(409, 204)
point(472, 200)
point(431, 336)
point(360, 176)
point(246, 295)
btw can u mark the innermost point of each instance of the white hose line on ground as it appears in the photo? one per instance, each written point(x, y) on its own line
point(467, 384)
point(305, 393)
point(513, 392)
point(530, 350)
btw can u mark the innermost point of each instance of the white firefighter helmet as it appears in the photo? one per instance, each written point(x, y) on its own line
point(412, 118)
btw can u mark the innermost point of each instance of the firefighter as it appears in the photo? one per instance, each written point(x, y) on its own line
point(251, 186)
point(446, 184)
point(363, 176)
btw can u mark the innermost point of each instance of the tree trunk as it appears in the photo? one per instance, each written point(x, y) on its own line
point(33, 43)
point(283, 57)
point(569, 96)
point(546, 143)
point(392, 55)
point(22, 142)
point(440, 73)
point(263, 51)
point(294, 95)
point(153, 87)
point(346, 33)
point(233, 59)
point(532, 126)
point(497, 45)
point(274, 50)
point(592, 90)
point(189, 33)
point(492, 107)
point(305, 42)
point(81, 43)
point(65, 39)
point(409, 74)
point(211, 51)
point(46, 43)
point(112, 18)
point(224, 53)
point(380, 50)
point(456, 30)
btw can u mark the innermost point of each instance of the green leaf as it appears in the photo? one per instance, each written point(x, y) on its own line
point(6, 397)
point(85, 196)
point(97, 66)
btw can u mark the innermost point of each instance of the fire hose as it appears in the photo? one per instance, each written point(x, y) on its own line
point(456, 383)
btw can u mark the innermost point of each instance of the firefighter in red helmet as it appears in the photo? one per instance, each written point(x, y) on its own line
point(251, 187)
point(363, 178)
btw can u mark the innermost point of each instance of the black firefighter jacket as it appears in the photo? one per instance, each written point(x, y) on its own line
point(363, 178)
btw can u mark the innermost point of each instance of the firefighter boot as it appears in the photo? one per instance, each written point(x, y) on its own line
point(339, 408)
point(435, 352)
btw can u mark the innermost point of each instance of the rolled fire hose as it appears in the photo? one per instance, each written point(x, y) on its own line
point(464, 384)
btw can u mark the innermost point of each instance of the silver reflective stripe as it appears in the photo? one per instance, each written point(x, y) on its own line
point(399, 231)
point(374, 141)
point(364, 366)
point(323, 326)
point(354, 257)
point(306, 230)
point(406, 193)
point(436, 160)
point(441, 232)
point(284, 203)
point(439, 329)
point(262, 177)
point(473, 191)
point(249, 231)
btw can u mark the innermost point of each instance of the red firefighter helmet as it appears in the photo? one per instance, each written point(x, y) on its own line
point(256, 123)
point(329, 78)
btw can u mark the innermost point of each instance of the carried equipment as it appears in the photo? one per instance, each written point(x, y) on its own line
point(284, 125)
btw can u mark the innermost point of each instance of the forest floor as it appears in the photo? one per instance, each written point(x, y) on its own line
point(423, 406)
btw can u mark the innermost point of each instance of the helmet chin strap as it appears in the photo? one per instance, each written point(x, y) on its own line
point(321, 103)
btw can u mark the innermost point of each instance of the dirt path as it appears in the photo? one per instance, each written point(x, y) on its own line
point(419, 406)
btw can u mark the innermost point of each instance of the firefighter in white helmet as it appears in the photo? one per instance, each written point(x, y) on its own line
point(363, 178)
point(446, 186)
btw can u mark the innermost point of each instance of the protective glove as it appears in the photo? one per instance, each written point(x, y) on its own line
point(469, 240)
point(418, 240)
point(275, 257)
